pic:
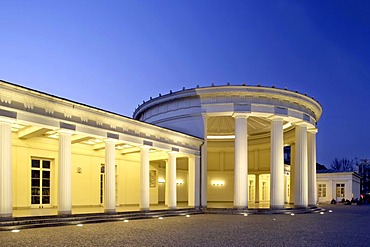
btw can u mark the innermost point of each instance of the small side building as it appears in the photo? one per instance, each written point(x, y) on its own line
point(337, 185)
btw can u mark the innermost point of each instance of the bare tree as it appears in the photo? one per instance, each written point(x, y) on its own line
point(364, 172)
point(342, 165)
point(348, 165)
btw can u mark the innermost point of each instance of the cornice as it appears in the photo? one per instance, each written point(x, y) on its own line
point(24, 99)
point(228, 94)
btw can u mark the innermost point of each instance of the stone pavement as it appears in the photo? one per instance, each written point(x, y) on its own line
point(344, 226)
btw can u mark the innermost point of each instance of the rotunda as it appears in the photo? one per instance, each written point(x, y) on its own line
point(259, 143)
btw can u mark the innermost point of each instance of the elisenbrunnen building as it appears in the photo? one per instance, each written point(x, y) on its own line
point(205, 147)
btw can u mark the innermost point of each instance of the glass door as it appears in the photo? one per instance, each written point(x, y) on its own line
point(40, 182)
point(102, 182)
point(340, 191)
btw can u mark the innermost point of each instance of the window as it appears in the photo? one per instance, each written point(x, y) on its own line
point(40, 182)
point(102, 181)
point(251, 191)
point(340, 190)
point(264, 191)
point(322, 190)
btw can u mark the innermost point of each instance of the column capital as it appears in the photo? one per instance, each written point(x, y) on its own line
point(65, 131)
point(7, 120)
point(110, 140)
point(145, 147)
point(276, 118)
point(301, 124)
point(171, 153)
point(240, 115)
point(313, 131)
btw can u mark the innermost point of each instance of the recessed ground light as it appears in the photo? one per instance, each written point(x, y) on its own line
point(16, 230)
point(321, 212)
point(273, 219)
point(187, 216)
point(125, 221)
point(161, 218)
point(245, 214)
point(80, 225)
point(330, 211)
point(292, 214)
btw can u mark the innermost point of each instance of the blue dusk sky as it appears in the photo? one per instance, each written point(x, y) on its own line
point(115, 54)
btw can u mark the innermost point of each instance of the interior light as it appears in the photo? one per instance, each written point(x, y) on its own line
point(161, 180)
point(179, 182)
point(218, 183)
point(221, 137)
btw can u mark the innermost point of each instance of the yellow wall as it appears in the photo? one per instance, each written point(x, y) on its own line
point(220, 167)
point(86, 164)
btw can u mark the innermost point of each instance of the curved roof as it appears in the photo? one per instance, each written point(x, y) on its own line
point(245, 93)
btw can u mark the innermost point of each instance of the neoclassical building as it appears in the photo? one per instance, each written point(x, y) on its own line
point(245, 131)
point(195, 147)
point(56, 153)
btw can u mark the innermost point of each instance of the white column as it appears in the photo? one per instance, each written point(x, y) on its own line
point(301, 176)
point(257, 190)
point(65, 173)
point(144, 179)
point(166, 185)
point(312, 190)
point(110, 176)
point(6, 202)
point(204, 184)
point(277, 164)
point(193, 180)
point(292, 174)
point(172, 190)
point(241, 162)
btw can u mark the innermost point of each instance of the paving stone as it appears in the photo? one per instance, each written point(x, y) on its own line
point(345, 226)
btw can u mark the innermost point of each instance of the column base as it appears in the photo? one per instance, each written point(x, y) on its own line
point(276, 206)
point(10, 215)
point(300, 206)
point(144, 209)
point(109, 211)
point(64, 212)
point(241, 207)
point(172, 207)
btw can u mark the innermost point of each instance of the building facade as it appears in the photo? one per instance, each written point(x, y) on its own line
point(245, 129)
point(196, 146)
point(55, 153)
point(338, 186)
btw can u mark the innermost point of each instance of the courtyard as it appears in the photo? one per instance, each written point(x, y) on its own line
point(339, 226)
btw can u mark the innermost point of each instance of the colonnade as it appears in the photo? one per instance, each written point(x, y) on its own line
point(305, 164)
point(64, 198)
point(303, 172)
